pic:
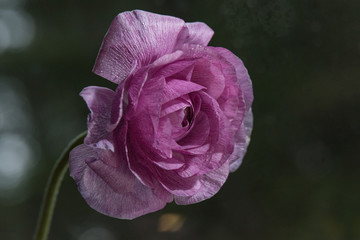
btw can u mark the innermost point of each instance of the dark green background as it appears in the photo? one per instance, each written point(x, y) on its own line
point(300, 177)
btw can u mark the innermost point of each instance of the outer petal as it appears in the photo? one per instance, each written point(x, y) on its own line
point(241, 74)
point(199, 33)
point(115, 192)
point(242, 140)
point(136, 39)
point(210, 184)
point(242, 136)
point(99, 101)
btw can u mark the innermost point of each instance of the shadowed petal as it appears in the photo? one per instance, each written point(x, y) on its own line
point(136, 39)
point(99, 101)
point(242, 140)
point(210, 185)
point(198, 134)
point(117, 108)
point(178, 185)
point(115, 192)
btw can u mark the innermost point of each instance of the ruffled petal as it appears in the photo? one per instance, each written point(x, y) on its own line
point(210, 185)
point(115, 192)
point(99, 100)
point(242, 140)
point(242, 75)
point(199, 33)
point(136, 39)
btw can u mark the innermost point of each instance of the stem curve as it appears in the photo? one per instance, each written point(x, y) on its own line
point(52, 189)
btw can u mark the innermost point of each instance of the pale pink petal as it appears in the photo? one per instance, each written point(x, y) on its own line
point(169, 163)
point(210, 185)
point(136, 39)
point(242, 140)
point(199, 33)
point(99, 101)
point(173, 106)
point(115, 192)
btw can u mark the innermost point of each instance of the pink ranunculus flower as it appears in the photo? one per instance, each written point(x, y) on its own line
point(177, 124)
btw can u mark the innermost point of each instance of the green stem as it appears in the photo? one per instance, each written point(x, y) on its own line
point(52, 189)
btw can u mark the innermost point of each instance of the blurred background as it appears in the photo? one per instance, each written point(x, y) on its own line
point(300, 177)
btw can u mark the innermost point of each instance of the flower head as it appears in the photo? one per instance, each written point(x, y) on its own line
point(177, 124)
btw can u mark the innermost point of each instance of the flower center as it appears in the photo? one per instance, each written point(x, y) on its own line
point(188, 115)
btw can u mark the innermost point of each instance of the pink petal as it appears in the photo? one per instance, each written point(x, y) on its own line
point(176, 88)
point(179, 186)
point(210, 185)
point(148, 164)
point(117, 108)
point(236, 105)
point(194, 165)
point(139, 81)
point(147, 105)
point(199, 33)
point(139, 163)
point(173, 106)
point(242, 140)
point(198, 134)
point(169, 163)
point(220, 140)
point(99, 101)
point(115, 192)
point(194, 150)
point(177, 70)
point(136, 39)
point(242, 75)
point(186, 73)
point(209, 75)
